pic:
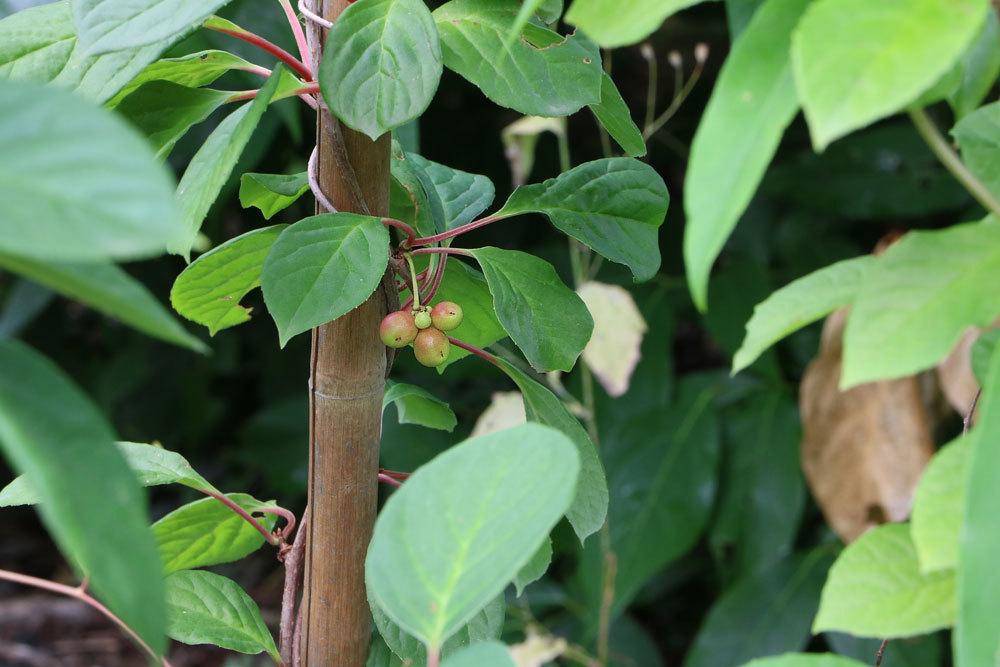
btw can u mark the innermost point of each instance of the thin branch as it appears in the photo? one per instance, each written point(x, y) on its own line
point(441, 251)
point(270, 47)
point(679, 97)
point(271, 538)
point(313, 16)
point(967, 419)
point(881, 652)
point(458, 231)
point(483, 354)
point(76, 592)
point(607, 600)
point(411, 234)
point(312, 176)
point(401, 476)
point(287, 515)
point(385, 479)
point(304, 93)
point(293, 575)
point(436, 280)
point(293, 23)
point(949, 158)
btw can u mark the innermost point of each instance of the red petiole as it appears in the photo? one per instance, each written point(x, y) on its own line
point(270, 47)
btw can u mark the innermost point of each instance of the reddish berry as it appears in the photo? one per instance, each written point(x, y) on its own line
point(447, 315)
point(431, 347)
point(422, 318)
point(398, 329)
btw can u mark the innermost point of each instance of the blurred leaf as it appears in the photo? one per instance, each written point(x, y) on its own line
point(385, 64)
point(978, 136)
point(110, 290)
point(506, 409)
point(112, 25)
point(205, 608)
point(538, 650)
point(615, 117)
point(540, 74)
point(925, 651)
point(520, 139)
point(807, 660)
point(875, 589)
point(164, 111)
point(416, 406)
point(938, 508)
point(24, 302)
point(982, 351)
point(856, 62)
point(863, 449)
point(615, 24)
point(211, 166)
point(206, 532)
point(545, 319)
point(980, 68)
point(632, 646)
point(766, 613)
point(613, 350)
point(486, 654)
point(272, 193)
point(90, 501)
point(470, 520)
point(192, 70)
point(535, 568)
point(322, 267)
point(752, 104)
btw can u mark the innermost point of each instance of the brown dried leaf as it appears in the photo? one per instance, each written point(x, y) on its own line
point(863, 450)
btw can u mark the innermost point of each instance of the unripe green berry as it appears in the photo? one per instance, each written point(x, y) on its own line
point(447, 315)
point(431, 347)
point(422, 318)
point(398, 329)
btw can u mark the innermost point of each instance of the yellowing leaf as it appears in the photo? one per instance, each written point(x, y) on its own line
point(506, 409)
point(613, 350)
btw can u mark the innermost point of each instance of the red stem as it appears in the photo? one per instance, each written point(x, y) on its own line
point(441, 251)
point(268, 535)
point(401, 476)
point(411, 234)
point(458, 231)
point(385, 479)
point(79, 594)
point(288, 516)
point(475, 350)
point(300, 35)
point(429, 292)
point(270, 47)
point(293, 575)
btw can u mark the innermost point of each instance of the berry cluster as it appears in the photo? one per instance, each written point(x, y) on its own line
point(424, 328)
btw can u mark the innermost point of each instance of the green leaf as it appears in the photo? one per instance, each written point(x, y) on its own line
point(106, 288)
point(614, 115)
point(978, 136)
point(484, 626)
point(923, 651)
point(463, 196)
point(540, 74)
point(56, 205)
point(272, 193)
point(753, 102)
point(765, 613)
point(90, 501)
point(383, 66)
point(409, 200)
point(614, 206)
point(590, 504)
point(211, 166)
point(917, 300)
point(322, 267)
point(856, 61)
point(486, 654)
point(39, 44)
point(546, 319)
point(113, 25)
point(25, 301)
point(806, 660)
point(164, 111)
point(875, 589)
point(462, 526)
point(535, 568)
point(417, 406)
point(209, 290)
point(982, 351)
point(192, 70)
point(152, 465)
point(980, 68)
point(974, 639)
point(938, 508)
point(614, 23)
point(801, 303)
point(206, 532)
point(206, 608)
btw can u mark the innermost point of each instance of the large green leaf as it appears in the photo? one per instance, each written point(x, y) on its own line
point(382, 64)
point(322, 267)
point(39, 44)
point(621, 22)
point(113, 25)
point(484, 626)
point(540, 74)
point(546, 319)
point(975, 638)
point(857, 61)
point(875, 589)
point(615, 206)
point(209, 290)
point(56, 205)
point(106, 288)
point(980, 68)
point(590, 504)
point(614, 115)
point(417, 406)
point(753, 102)
point(765, 613)
point(938, 508)
point(462, 195)
point(807, 660)
point(485, 654)
point(918, 298)
point(211, 166)
point(152, 465)
point(206, 532)
point(192, 70)
point(800, 303)
point(164, 111)
point(272, 193)
point(205, 608)
point(90, 500)
point(978, 136)
point(462, 526)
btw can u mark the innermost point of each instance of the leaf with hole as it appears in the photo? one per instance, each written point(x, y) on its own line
point(322, 267)
point(457, 532)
